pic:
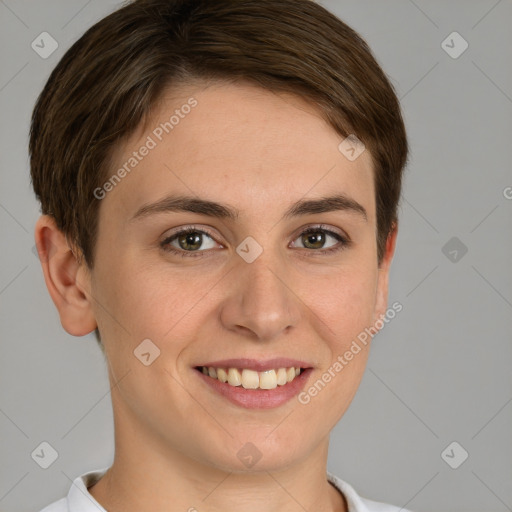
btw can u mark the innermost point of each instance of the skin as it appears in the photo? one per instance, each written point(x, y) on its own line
point(176, 441)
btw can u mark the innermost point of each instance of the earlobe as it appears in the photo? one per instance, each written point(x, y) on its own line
point(66, 278)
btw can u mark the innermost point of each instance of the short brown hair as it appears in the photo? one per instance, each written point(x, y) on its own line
point(106, 83)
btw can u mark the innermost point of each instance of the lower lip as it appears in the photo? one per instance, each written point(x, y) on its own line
point(257, 398)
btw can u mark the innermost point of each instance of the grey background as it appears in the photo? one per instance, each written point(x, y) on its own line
point(438, 373)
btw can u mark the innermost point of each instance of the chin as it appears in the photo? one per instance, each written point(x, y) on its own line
point(260, 453)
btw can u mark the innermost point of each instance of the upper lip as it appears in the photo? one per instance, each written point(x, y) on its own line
point(258, 365)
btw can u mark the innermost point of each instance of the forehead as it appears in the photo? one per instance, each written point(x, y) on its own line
point(239, 144)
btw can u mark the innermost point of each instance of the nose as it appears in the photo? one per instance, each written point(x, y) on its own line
point(261, 304)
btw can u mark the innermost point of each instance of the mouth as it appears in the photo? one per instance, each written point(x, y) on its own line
point(252, 379)
point(255, 384)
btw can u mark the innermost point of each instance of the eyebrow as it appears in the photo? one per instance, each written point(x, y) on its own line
point(183, 203)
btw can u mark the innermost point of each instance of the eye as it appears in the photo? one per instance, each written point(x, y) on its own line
point(188, 241)
point(316, 237)
point(194, 242)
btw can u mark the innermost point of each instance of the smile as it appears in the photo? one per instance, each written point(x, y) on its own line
point(252, 379)
point(255, 384)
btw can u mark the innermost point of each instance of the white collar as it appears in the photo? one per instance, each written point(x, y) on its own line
point(80, 500)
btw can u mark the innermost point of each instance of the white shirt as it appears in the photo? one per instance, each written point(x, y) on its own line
point(80, 500)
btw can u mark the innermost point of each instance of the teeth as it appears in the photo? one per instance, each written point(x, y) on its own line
point(268, 379)
point(234, 377)
point(251, 379)
point(281, 377)
point(222, 375)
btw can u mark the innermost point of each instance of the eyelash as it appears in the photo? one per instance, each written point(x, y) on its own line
point(345, 242)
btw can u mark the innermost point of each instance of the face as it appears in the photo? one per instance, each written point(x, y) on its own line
point(247, 287)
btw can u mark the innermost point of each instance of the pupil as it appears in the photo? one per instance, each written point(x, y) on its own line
point(192, 240)
point(318, 239)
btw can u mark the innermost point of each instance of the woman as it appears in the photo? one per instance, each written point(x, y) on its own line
point(219, 185)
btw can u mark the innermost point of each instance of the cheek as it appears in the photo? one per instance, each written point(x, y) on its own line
point(145, 301)
point(345, 301)
point(345, 306)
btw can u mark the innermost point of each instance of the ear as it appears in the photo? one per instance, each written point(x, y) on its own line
point(67, 279)
point(381, 301)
